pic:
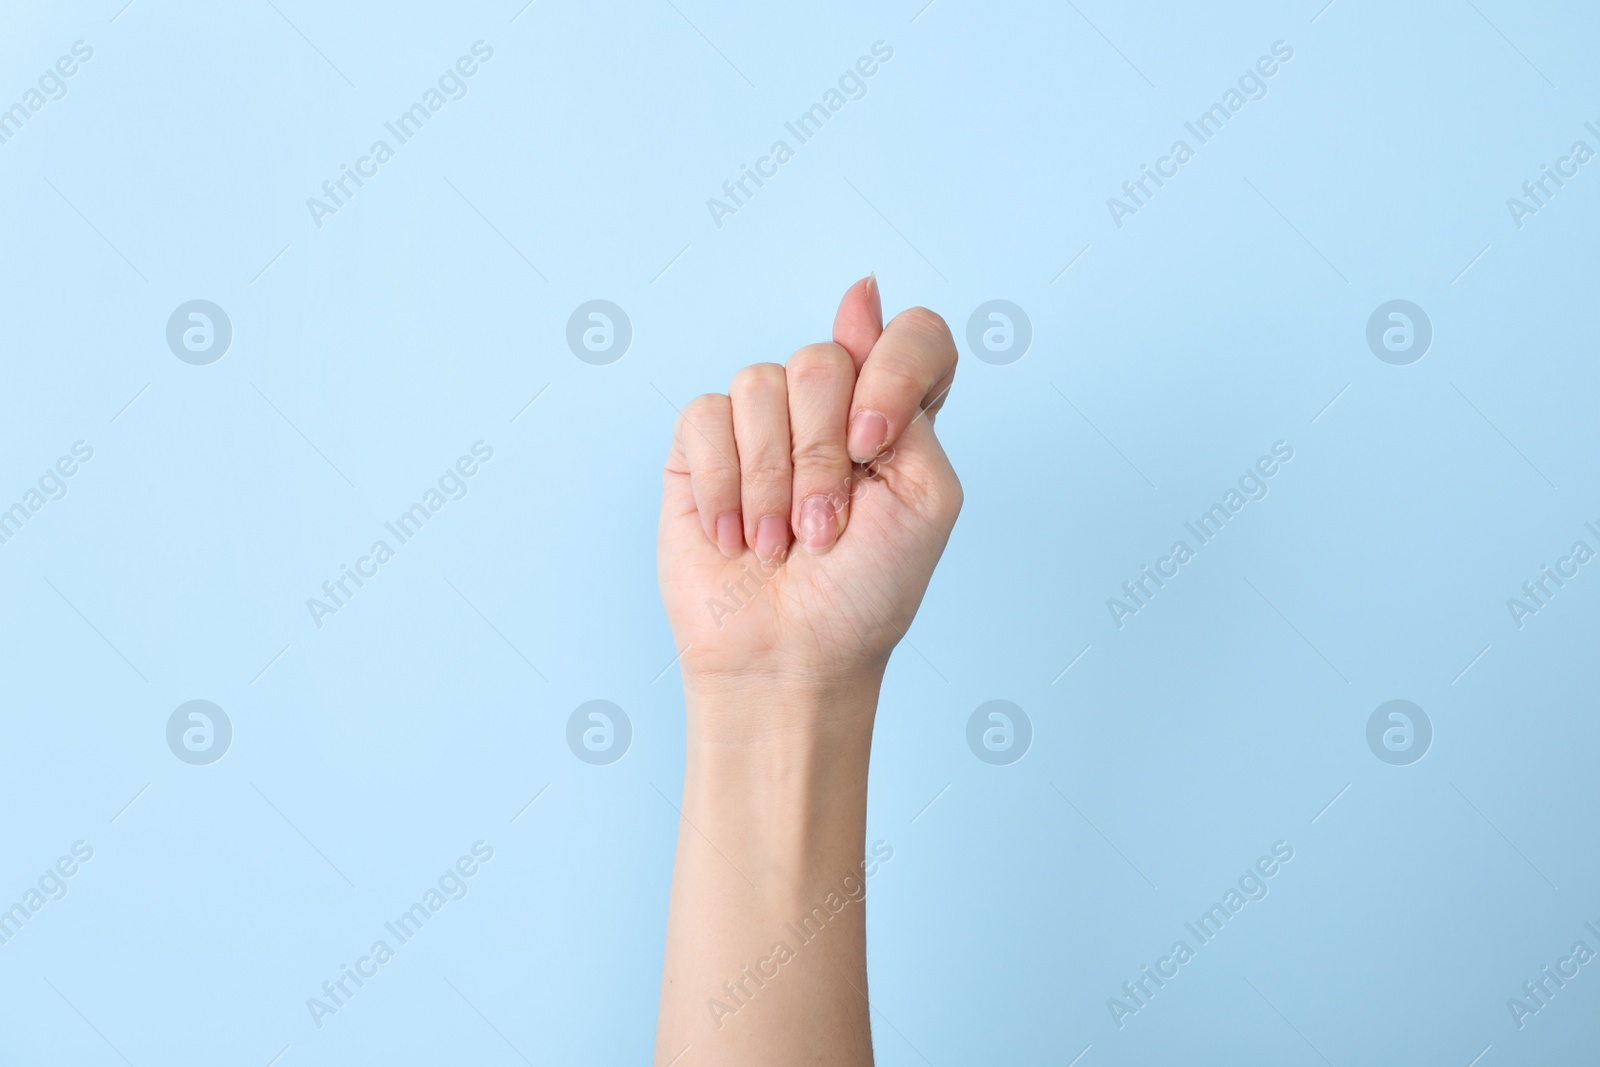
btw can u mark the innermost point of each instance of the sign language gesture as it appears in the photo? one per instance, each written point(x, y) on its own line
point(804, 510)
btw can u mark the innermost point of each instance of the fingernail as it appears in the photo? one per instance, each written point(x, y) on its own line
point(875, 298)
point(867, 432)
point(818, 523)
point(772, 537)
point(730, 534)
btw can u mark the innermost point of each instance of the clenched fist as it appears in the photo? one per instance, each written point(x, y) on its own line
point(804, 510)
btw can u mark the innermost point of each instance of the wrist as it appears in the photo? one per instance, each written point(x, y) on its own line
point(758, 715)
point(776, 772)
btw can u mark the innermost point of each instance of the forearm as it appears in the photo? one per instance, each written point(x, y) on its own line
point(766, 935)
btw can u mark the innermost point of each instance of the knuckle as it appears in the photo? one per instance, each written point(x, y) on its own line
point(759, 381)
point(820, 459)
point(924, 322)
point(818, 362)
point(764, 470)
point(705, 405)
point(717, 473)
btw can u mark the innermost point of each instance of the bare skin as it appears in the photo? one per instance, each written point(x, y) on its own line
point(802, 516)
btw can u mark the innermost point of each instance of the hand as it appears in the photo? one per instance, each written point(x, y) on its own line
point(801, 520)
point(803, 512)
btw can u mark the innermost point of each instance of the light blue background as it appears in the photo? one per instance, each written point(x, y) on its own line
point(371, 353)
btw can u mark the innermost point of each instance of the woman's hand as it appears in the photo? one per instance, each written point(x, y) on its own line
point(805, 509)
